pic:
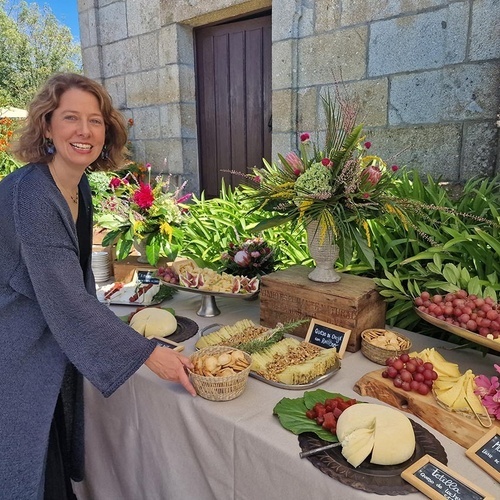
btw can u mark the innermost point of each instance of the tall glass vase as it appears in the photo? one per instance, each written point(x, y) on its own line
point(324, 251)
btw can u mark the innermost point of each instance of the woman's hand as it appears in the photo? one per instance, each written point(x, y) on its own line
point(170, 365)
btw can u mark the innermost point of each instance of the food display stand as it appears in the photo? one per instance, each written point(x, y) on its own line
point(152, 440)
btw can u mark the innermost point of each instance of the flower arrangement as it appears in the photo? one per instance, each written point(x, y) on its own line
point(143, 212)
point(488, 390)
point(341, 186)
point(251, 258)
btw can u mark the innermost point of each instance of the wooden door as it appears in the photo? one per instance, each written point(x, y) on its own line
point(233, 78)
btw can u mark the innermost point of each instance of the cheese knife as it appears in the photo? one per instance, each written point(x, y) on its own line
point(308, 453)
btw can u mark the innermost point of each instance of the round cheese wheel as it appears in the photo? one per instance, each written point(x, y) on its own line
point(154, 322)
point(382, 431)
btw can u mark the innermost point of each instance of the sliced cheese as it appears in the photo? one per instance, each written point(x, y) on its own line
point(154, 322)
point(382, 431)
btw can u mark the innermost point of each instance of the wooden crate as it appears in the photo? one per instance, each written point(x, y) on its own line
point(352, 303)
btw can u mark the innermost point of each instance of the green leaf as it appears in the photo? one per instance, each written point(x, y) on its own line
point(292, 413)
point(451, 274)
point(473, 287)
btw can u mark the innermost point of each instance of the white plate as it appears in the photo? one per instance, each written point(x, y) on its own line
point(123, 296)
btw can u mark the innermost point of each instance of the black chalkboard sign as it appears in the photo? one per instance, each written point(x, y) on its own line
point(486, 453)
point(147, 277)
point(328, 336)
point(437, 481)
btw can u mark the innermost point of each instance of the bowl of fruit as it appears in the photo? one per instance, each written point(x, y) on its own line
point(474, 318)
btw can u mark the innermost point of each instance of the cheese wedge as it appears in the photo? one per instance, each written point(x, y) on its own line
point(154, 322)
point(382, 431)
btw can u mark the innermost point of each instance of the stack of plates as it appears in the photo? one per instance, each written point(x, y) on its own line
point(101, 266)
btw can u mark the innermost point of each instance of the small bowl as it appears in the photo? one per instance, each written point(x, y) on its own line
point(219, 388)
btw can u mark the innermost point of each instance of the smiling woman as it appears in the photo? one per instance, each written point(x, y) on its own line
point(47, 292)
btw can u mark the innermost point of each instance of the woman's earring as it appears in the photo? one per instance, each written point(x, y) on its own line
point(104, 153)
point(50, 149)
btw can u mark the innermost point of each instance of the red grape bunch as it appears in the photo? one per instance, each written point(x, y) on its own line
point(410, 374)
point(168, 275)
point(463, 310)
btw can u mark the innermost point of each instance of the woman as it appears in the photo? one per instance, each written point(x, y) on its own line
point(53, 330)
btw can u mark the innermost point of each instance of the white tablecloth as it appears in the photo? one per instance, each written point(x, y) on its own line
point(152, 441)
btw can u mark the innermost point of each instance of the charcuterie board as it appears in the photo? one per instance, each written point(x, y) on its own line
point(462, 429)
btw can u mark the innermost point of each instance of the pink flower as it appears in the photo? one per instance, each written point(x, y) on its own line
point(255, 254)
point(372, 174)
point(125, 181)
point(327, 162)
point(366, 195)
point(394, 168)
point(368, 144)
point(305, 137)
point(144, 196)
point(184, 198)
point(492, 404)
point(115, 182)
point(256, 179)
point(242, 258)
point(486, 386)
point(295, 162)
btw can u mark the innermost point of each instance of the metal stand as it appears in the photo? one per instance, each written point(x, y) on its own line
point(208, 307)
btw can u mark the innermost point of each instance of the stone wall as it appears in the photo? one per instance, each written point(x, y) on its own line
point(426, 71)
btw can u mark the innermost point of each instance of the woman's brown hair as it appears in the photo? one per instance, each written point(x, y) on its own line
point(30, 145)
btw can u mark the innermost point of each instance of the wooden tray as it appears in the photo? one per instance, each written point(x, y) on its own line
point(462, 429)
point(461, 332)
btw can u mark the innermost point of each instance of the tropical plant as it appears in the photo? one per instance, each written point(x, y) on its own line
point(213, 224)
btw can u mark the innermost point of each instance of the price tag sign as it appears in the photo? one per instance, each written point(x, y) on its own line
point(486, 453)
point(328, 336)
point(439, 482)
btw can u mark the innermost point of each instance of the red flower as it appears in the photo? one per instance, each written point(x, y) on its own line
point(366, 195)
point(368, 144)
point(327, 162)
point(394, 168)
point(130, 122)
point(115, 182)
point(304, 137)
point(144, 196)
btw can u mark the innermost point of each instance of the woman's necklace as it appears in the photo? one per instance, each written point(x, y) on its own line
point(74, 199)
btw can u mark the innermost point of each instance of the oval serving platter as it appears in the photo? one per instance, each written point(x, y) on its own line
point(461, 332)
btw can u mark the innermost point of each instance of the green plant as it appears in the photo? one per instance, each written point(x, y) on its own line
point(460, 250)
point(213, 224)
point(100, 187)
point(7, 162)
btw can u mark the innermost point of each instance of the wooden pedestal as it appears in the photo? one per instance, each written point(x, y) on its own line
point(351, 303)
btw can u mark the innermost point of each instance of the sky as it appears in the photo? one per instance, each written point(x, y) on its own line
point(66, 12)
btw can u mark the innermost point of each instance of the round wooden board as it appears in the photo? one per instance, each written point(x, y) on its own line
point(380, 479)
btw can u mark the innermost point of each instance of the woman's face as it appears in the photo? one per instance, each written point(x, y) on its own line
point(77, 129)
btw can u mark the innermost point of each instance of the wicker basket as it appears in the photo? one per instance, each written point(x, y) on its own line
point(379, 354)
point(219, 388)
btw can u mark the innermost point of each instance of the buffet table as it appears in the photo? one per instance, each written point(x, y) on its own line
point(152, 441)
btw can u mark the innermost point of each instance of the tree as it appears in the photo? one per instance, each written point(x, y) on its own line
point(33, 45)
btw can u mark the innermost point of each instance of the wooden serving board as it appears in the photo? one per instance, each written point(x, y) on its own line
point(462, 429)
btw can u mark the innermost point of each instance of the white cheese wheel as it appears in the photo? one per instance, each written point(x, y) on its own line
point(382, 431)
point(154, 322)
